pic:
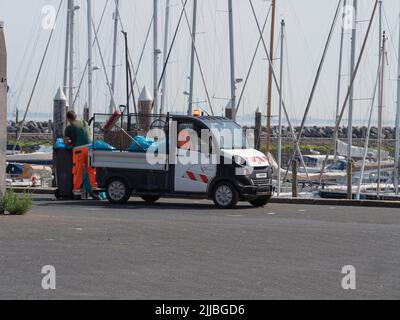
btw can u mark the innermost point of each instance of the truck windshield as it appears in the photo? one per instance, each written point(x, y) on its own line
point(229, 134)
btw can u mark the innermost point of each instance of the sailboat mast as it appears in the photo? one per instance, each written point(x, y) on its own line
point(3, 113)
point(280, 109)
point(114, 57)
point(232, 59)
point(193, 53)
point(67, 35)
point(155, 57)
point(71, 56)
point(358, 197)
point(127, 77)
point(269, 98)
point(397, 148)
point(380, 113)
point(351, 103)
point(339, 76)
point(165, 53)
point(90, 58)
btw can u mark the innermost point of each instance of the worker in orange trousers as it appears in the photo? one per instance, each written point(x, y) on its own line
point(77, 135)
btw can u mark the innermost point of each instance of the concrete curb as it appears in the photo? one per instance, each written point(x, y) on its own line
point(301, 201)
point(339, 203)
point(47, 191)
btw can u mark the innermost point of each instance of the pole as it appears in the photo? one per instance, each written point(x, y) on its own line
point(280, 110)
point(397, 148)
point(340, 76)
point(295, 193)
point(193, 53)
point(380, 94)
point(343, 109)
point(87, 109)
point(232, 59)
point(67, 35)
point(269, 98)
point(380, 113)
point(350, 179)
point(132, 91)
point(96, 38)
point(71, 57)
point(127, 79)
point(115, 44)
point(316, 81)
point(275, 79)
point(156, 53)
point(380, 29)
point(351, 103)
point(166, 33)
point(3, 114)
point(90, 59)
point(366, 144)
point(258, 129)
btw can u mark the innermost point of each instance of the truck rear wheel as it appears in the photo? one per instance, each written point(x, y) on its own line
point(117, 191)
point(150, 199)
point(260, 202)
point(225, 195)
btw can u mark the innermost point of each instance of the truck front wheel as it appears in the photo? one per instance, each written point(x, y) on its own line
point(225, 195)
point(117, 191)
point(260, 202)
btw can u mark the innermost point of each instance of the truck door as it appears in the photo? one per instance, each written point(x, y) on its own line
point(191, 174)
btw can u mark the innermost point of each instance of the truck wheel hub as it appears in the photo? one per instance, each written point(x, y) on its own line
point(224, 195)
point(117, 190)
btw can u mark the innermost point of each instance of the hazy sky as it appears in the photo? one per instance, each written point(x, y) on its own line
point(307, 26)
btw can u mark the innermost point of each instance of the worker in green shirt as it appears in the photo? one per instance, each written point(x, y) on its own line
point(78, 136)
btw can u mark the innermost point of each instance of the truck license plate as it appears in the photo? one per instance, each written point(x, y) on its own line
point(261, 175)
point(263, 192)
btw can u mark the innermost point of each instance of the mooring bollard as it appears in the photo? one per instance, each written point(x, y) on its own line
point(59, 125)
point(258, 128)
point(350, 180)
point(294, 179)
point(59, 115)
point(228, 111)
point(86, 114)
point(145, 103)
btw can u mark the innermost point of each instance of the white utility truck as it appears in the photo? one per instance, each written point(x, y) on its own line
point(191, 159)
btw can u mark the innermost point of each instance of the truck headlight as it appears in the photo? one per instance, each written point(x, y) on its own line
point(240, 161)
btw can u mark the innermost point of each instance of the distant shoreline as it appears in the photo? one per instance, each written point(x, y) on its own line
point(245, 121)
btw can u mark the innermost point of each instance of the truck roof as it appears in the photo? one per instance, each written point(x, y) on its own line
point(202, 118)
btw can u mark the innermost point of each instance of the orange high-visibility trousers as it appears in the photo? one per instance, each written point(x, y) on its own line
point(81, 162)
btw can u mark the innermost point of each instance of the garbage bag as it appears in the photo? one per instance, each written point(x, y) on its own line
point(141, 144)
point(97, 145)
point(101, 145)
point(60, 145)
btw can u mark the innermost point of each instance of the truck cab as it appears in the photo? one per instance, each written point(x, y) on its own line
point(196, 157)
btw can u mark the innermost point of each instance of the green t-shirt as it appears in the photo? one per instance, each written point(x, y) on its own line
point(79, 133)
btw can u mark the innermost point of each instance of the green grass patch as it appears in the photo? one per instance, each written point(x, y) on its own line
point(306, 149)
point(29, 143)
point(16, 204)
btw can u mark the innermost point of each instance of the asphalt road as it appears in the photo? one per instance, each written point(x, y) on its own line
point(189, 250)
